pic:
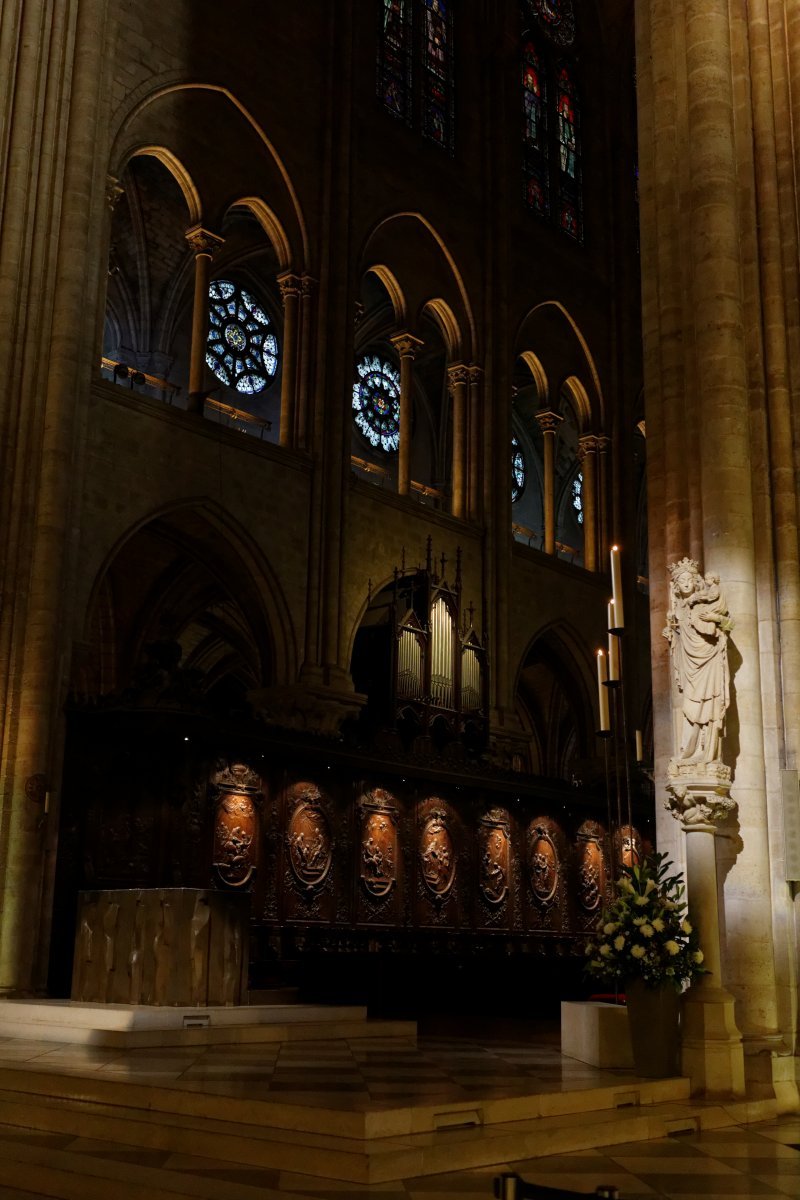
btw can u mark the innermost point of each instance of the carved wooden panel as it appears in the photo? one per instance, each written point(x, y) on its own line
point(494, 869)
point(628, 848)
point(438, 887)
point(546, 867)
point(308, 847)
point(592, 875)
point(237, 789)
point(378, 863)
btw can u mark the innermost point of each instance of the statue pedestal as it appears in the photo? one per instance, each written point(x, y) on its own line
point(161, 946)
point(712, 1054)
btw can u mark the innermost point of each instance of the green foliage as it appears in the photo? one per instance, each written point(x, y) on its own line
point(645, 934)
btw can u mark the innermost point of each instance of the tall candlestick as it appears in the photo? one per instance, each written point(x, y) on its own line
point(639, 747)
point(611, 619)
point(613, 660)
point(602, 693)
point(616, 588)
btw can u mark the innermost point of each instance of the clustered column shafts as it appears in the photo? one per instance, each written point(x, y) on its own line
point(290, 286)
point(457, 380)
point(51, 190)
point(475, 506)
point(587, 456)
point(717, 400)
point(407, 347)
point(302, 434)
point(204, 245)
point(549, 423)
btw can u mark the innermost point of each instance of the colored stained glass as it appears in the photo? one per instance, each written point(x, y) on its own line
point(519, 470)
point(534, 130)
point(240, 349)
point(394, 60)
point(557, 18)
point(437, 72)
point(376, 402)
point(577, 497)
point(569, 206)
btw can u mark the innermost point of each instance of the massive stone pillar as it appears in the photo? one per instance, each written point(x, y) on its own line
point(203, 244)
point(719, 436)
point(53, 162)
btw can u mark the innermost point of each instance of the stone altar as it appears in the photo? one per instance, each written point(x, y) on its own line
point(161, 946)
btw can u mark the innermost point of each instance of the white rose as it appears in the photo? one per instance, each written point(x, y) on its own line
point(605, 951)
point(686, 927)
point(698, 956)
point(641, 901)
point(640, 921)
point(619, 942)
point(658, 925)
point(672, 948)
point(647, 931)
point(609, 928)
point(637, 951)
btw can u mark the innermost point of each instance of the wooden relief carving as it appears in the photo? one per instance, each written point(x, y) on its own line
point(494, 870)
point(308, 840)
point(236, 823)
point(591, 869)
point(544, 863)
point(437, 854)
point(628, 846)
point(378, 847)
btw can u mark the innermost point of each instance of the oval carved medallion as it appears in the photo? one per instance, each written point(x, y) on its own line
point(308, 839)
point(495, 864)
point(378, 853)
point(436, 855)
point(543, 866)
point(235, 832)
point(591, 874)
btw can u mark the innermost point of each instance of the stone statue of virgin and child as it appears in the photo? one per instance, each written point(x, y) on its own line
point(698, 624)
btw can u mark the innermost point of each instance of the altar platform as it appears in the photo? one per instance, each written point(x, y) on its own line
point(337, 1115)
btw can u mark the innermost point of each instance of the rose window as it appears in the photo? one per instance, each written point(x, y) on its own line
point(242, 349)
point(376, 402)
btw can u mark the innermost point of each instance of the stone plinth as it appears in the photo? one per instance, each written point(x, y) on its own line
point(596, 1033)
point(176, 946)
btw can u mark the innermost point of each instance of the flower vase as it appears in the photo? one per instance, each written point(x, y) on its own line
point(654, 1023)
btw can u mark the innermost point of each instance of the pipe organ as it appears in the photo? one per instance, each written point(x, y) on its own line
point(424, 665)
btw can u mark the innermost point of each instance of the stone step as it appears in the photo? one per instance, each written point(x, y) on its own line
point(391, 1144)
point(122, 1026)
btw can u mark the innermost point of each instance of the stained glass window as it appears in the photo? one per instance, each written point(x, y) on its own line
point(241, 349)
point(569, 166)
point(534, 115)
point(519, 470)
point(376, 402)
point(557, 18)
point(437, 71)
point(577, 497)
point(394, 58)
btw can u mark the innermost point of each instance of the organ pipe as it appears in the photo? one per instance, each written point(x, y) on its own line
point(442, 656)
point(470, 680)
point(409, 666)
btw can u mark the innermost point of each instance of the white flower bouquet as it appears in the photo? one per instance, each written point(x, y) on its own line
point(645, 934)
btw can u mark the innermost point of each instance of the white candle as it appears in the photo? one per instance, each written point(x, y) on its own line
point(602, 692)
point(613, 658)
point(616, 588)
point(610, 623)
point(639, 747)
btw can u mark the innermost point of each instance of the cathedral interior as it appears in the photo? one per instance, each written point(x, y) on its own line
point(346, 347)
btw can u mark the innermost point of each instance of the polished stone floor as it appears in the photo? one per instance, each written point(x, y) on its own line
point(340, 1073)
point(751, 1161)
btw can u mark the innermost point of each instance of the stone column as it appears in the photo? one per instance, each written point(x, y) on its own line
point(457, 379)
point(475, 507)
point(587, 456)
point(290, 295)
point(603, 539)
point(712, 1054)
point(307, 286)
point(203, 245)
point(549, 423)
point(407, 347)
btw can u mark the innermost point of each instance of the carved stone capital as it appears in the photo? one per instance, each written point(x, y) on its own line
point(457, 374)
point(307, 284)
point(203, 241)
point(289, 284)
point(548, 421)
point(406, 345)
point(588, 444)
point(114, 190)
point(475, 374)
point(603, 443)
point(699, 793)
